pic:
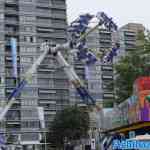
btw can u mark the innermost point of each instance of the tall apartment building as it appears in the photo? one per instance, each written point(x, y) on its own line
point(31, 22)
point(96, 78)
point(101, 77)
point(127, 37)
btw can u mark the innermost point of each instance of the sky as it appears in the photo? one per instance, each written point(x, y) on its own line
point(122, 11)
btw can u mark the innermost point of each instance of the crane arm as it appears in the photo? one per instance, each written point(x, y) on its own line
point(74, 79)
point(28, 76)
point(77, 41)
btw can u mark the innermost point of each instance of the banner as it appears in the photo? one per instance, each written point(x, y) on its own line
point(13, 43)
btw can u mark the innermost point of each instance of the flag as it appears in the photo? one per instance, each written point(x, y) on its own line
point(13, 42)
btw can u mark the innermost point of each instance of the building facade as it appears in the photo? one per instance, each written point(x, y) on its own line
point(31, 22)
point(127, 37)
point(101, 76)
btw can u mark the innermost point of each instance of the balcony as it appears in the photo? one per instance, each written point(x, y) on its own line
point(52, 35)
point(107, 77)
point(108, 95)
point(13, 129)
point(45, 70)
point(11, 22)
point(58, 76)
point(130, 33)
point(50, 112)
point(12, 2)
point(11, 33)
point(106, 40)
point(59, 25)
point(61, 87)
point(13, 122)
point(45, 76)
point(59, 6)
point(43, 101)
point(46, 91)
point(105, 68)
point(49, 108)
point(11, 12)
point(59, 15)
point(43, 13)
point(105, 32)
point(43, 4)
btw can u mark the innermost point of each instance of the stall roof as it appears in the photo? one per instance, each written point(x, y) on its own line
point(130, 127)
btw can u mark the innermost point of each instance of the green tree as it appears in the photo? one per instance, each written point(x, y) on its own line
point(71, 123)
point(134, 64)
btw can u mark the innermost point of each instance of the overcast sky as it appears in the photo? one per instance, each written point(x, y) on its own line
point(123, 11)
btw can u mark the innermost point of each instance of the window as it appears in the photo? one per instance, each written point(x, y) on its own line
point(28, 1)
point(27, 19)
point(94, 85)
point(29, 92)
point(1, 60)
point(107, 77)
point(43, 1)
point(42, 82)
point(58, 21)
point(43, 20)
point(28, 28)
point(28, 49)
point(107, 68)
point(1, 16)
point(10, 29)
point(30, 124)
point(27, 60)
point(9, 72)
point(29, 102)
point(58, 2)
point(12, 18)
point(108, 95)
point(43, 10)
point(30, 39)
point(10, 82)
point(47, 95)
point(59, 12)
point(13, 115)
point(30, 137)
point(29, 113)
point(51, 107)
point(61, 83)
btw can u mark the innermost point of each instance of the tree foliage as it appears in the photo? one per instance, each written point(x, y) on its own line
point(71, 123)
point(134, 64)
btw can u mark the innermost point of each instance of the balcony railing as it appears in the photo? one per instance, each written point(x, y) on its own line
point(59, 15)
point(11, 1)
point(59, 6)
